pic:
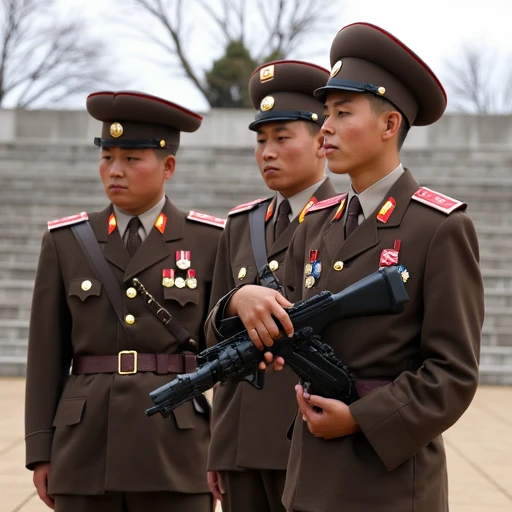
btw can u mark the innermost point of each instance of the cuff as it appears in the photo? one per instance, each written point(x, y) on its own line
point(38, 447)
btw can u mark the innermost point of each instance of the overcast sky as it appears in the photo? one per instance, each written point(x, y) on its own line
point(435, 29)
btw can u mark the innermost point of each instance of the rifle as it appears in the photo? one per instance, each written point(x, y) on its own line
point(382, 292)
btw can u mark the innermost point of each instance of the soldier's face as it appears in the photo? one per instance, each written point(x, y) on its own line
point(353, 141)
point(134, 179)
point(289, 157)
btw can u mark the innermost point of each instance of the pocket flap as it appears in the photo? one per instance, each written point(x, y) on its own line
point(184, 416)
point(182, 295)
point(84, 287)
point(69, 412)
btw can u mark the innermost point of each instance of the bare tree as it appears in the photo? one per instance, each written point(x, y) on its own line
point(480, 82)
point(269, 29)
point(43, 61)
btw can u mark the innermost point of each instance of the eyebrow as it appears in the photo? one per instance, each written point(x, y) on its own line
point(338, 103)
point(281, 128)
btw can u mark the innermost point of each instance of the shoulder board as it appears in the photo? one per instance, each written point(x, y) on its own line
point(67, 221)
point(436, 200)
point(247, 206)
point(326, 203)
point(206, 219)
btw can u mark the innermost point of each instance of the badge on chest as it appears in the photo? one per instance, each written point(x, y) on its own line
point(389, 257)
point(182, 276)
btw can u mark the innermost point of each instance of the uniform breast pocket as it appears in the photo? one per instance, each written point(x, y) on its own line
point(182, 296)
point(84, 288)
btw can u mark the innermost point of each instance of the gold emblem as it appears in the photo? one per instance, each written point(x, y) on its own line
point(338, 266)
point(242, 273)
point(267, 103)
point(309, 282)
point(308, 269)
point(86, 285)
point(336, 68)
point(314, 116)
point(131, 293)
point(405, 276)
point(129, 319)
point(180, 282)
point(267, 73)
point(168, 282)
point(192, 283)
point(273, 265)
point(162, 143)
point(116, 130)
point(381, 90)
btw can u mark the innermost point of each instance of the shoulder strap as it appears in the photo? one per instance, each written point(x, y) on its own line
point(87, 240)
point(259, 247)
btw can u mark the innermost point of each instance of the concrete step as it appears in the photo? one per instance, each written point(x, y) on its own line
point(14, 348)
point(14, 329)
point(16, 290)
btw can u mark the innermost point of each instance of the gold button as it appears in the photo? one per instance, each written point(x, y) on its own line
point(338, 266)
point(86, 285)
point(131, 293)
point(273, 265)
point(314, 116)
point(129, 319)
point(381, 90)
point(242, 273)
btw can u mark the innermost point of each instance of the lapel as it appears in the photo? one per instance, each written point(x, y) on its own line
point(366, 235)
point(155, 248)
point(112, 245)
point(324, 191)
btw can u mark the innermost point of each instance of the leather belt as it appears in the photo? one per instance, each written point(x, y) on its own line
point(129, 362)
point(365, 386)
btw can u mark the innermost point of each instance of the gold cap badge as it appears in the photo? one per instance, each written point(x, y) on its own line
point(267, 73)
point(116, 130)
point(336, 68)
point(267, 103)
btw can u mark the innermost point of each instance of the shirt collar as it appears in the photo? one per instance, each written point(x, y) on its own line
point(147, 218)
point(299, 200)
point(373, 196)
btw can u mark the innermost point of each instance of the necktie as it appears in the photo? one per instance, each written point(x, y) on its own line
point(283, 219)
point(354, 210)
point(133, 242)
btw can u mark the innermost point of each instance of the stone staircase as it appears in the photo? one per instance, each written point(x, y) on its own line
point(40, 181)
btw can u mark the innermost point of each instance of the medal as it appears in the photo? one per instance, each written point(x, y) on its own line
point(389, 257)
point(168, 277)
point(191, 280)
point(404, 273)
point(308, 269)
point(309, 282)
point(316, 269)
point(183, 259)
point(179, 282)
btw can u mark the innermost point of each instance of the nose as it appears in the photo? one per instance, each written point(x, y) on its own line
point(269, 152)
point(327, 128)
point(115, 169)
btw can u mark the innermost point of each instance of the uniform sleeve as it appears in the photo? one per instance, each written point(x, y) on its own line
point(406, 415)
point(222, 284)
point(49, 354)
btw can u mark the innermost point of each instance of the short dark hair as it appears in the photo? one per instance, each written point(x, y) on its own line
point(313, 128)
point(379, 105)
point(162, 153)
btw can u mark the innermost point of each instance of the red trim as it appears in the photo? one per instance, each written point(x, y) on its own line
point(273, 63)
point(154, 98)
point(402, 45)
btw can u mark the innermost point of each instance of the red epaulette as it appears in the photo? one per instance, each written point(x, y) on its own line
point(326, 203)
point(247, 206)
point(436, 200)
point(206, 219)
point(67, 221)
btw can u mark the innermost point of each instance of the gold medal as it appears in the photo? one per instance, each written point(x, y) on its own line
point(191, 280)
point(168, 282)
point(183, 259)
point(309, 282)
point(179, 282)
point(308, 269)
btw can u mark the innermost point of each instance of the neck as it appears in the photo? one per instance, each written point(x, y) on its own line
point(368, 176)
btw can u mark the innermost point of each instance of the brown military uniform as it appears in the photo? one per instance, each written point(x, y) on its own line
point(249, 426)
point(91, 426)
point(429, 353)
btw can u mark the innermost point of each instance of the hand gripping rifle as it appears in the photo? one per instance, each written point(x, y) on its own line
point(322, 373)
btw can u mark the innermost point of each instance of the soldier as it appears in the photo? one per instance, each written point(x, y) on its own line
point(417, 372)
point(250, 459)
point(87, 438)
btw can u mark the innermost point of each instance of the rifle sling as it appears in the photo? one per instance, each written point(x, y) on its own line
point(259, 246)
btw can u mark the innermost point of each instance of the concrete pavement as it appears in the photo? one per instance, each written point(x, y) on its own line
point(479, 449)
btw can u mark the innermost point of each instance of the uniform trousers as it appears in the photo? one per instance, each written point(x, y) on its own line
point(253, 490)
point(134, 502)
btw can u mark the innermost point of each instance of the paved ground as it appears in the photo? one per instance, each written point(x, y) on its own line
point(479, 451)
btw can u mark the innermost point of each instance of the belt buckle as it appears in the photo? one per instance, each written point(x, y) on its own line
point(119, 358)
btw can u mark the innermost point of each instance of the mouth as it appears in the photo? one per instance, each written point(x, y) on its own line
point(329, 148)
point(116, 186)
point(269, 169)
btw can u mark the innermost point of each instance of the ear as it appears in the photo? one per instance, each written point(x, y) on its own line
point(169, 166)
point(393, 121)
point(319, 145)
